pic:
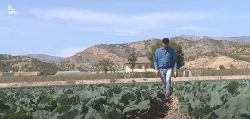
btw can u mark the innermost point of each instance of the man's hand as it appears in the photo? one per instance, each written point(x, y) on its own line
point(157, 72)
point(175, 74)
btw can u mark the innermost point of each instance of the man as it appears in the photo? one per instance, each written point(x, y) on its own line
point(164, 62)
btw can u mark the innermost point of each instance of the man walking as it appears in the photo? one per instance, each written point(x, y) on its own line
point(164, 62)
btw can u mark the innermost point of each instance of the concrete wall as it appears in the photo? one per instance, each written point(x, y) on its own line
point(83, 73)
point(139, 68)
point(26, 73)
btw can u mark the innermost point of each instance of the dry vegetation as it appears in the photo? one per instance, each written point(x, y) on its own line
point(215, 62)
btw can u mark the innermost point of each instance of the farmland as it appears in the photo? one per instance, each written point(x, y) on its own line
point(125, 98)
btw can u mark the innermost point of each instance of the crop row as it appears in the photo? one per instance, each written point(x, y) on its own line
point(114, 101)
point(215, 99)
point(201, 99)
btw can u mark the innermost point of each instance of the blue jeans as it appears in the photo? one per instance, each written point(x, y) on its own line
point(166, 81)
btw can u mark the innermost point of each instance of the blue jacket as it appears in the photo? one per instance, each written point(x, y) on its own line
point(165, 59)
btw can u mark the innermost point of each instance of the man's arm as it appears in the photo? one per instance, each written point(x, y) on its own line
point(156, 60)
point(174, 61)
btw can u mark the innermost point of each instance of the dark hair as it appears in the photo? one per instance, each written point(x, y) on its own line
point(165, 40)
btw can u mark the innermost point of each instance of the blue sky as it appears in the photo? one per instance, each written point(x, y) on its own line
point(63, 28)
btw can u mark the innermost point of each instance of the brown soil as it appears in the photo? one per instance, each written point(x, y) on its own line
point(165, 109)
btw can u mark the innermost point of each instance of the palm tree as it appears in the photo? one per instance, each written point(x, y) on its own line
point(131, 60)
point(105, 65)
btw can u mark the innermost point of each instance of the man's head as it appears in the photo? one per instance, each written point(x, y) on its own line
point(165, 43)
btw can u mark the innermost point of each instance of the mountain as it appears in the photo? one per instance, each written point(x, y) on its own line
point(202, 46)
point(115, 52)
point(47, 58)
point(118, 52)
point(243, 39)
point(24, 63)
point(207, 52)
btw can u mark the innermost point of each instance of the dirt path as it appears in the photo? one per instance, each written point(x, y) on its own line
point(105, 81)
point(165, 109)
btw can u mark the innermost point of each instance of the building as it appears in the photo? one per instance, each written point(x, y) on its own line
point(141, 65)
point(7, 74)
point(35, 73)
point(69, 73)
point(10, 73)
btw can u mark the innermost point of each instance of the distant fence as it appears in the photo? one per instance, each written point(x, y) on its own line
point(83, 73)
point(212, 72)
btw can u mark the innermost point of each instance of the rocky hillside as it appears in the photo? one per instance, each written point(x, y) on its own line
point(203, 46)
point(23, 63)
point(118, 52)
point(47, 58)
point(215, 62)
point(243, 39)
point(115, 52)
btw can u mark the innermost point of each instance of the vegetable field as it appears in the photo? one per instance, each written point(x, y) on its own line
point(113, 101)
point(228, 99)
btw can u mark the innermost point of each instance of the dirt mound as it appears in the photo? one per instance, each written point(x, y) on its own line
point(165, 109)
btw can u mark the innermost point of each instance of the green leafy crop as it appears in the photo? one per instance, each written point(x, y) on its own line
point(221, 99)
point(103, 101)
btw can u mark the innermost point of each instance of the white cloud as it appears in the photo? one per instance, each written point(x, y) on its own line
point(128, 33)
point(67, 52)
point(101, 21)
point(101, 17)
point(192, 28)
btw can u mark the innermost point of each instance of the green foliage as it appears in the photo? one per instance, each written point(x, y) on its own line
point(6, 67)
point(221, 67)
point(70, 78)
point(178, 52)
point(214, 99)
point(151, 54)
point(236, 107)
point(45, 68)
point(115, 101)
point(105, 65)
point(131, 60)
point(224, 72)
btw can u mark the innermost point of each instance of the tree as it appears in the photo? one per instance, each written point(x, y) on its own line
point(177, 49)
point(222, 67)
point(131, 60)
point(105, 65)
